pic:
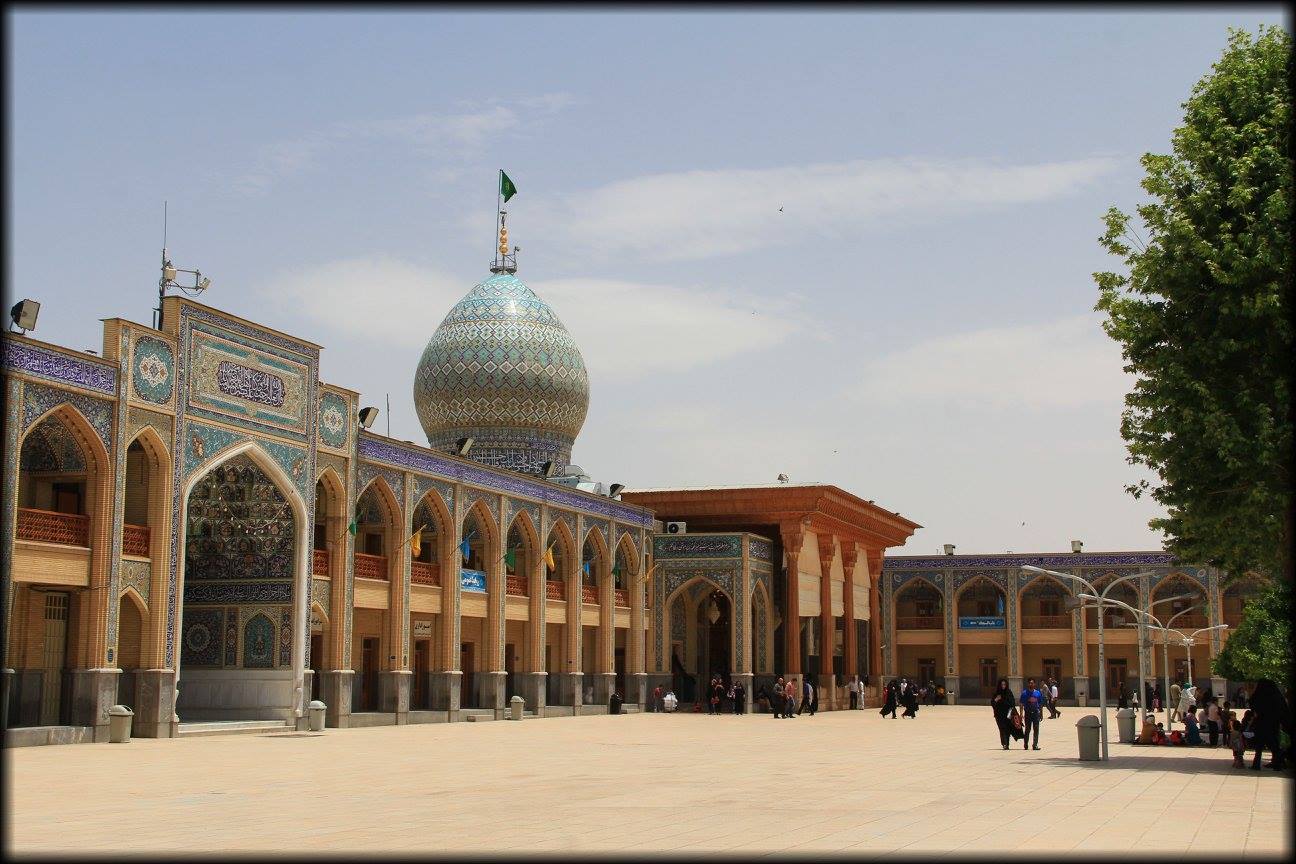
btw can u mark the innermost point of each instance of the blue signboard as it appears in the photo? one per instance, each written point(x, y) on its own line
point(472, 580)
point(981, 622)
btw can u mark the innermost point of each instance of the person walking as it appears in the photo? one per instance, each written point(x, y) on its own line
point(1269, 713)
point(1187, 700)
point(776, 699)
point(1175, 694)
point(717, 694)
point(1032, 702)
point(889, 699)
point(853, 689)
point(911, 703)
point(1054, 713)
point(1002, 704)
point(807, 696)
point(789, 695)
point(739, 696)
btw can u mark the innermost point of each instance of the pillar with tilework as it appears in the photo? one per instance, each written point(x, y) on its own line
point(793, 535)
point(826, 683)
point(448, 678)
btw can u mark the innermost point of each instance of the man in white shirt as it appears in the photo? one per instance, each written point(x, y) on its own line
point(1053, 697)
point(853, 689)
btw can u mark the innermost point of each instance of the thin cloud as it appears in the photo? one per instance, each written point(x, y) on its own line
point(701, 214)
point(625, 330)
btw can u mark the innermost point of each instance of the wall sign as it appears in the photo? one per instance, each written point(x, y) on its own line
point(472, 580)
point(981, 622)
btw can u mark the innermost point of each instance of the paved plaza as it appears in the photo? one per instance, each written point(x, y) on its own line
point(844, 782)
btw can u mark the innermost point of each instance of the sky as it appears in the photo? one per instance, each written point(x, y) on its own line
point(852, 246)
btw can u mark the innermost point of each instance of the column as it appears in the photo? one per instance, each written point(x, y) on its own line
point(531, 683)
point(950, 606)
point(877, 632)
point(93, 679)
point(1080, 682)
point(339, 678)
point(605, 644)
point(448, 677)
point(793, 535)
point(850, 645)
point(491, 685)
point(636, 640)
point(827, 625)
point(1215, 617)
point(155, 684)
point(572, 688)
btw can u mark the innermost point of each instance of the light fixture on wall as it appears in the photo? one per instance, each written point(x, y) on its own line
point(949, 548)
point(615, 489)
point(549, 468)
point(1076, 545)
point(367, 416)
point(463, 445)
point(713, 612)
point(23, 314)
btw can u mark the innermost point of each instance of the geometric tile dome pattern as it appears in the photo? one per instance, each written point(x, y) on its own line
point(503, 369)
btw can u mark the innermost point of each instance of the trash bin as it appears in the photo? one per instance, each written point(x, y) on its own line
point(119, 724)
point(316, 710)
point(1125, 725)
point(516, 706)
point(1088, 729)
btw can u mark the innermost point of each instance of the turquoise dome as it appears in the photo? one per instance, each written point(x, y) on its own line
point(503, 370)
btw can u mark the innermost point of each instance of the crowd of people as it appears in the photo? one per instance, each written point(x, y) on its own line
point(1257, 730)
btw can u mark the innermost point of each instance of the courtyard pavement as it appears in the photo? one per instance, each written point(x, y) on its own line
point(845, 782)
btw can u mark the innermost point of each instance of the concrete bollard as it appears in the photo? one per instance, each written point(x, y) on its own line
point(1088, 728)
point(119, 724)
point(316, 710)
point(516, 705)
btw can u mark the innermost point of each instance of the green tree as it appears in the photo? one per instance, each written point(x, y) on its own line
point(1261, 645)
point(1203, 315)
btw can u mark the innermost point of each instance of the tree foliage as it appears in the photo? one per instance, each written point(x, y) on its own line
point(1261, 645)
point(1204, 315)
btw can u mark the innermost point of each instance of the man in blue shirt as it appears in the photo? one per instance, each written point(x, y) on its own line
point(1032, 701)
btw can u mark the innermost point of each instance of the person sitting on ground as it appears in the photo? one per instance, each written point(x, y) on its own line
point(1147, 734)
point(1160, 737)
point(1192, 734)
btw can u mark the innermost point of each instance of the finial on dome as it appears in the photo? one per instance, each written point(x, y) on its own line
point(504, 262)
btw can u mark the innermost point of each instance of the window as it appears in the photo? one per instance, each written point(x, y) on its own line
point(926, 670)
point(1050, 606)
point(1052, 668)
point(925, 608)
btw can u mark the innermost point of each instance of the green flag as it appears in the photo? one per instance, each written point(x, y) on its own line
point(510, 559)
point(507, 189)
point(351, 529)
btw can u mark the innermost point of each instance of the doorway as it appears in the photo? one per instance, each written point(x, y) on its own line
point(620, 666)
point(926, 670)
point(422, 663)
point(369, 674)
point(53, 657)
point(510, 669)
point(317, 664)
point(1117, 675)
point(467, 694)
point(989, 677)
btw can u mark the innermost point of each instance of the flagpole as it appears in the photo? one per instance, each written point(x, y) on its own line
point(499, 207)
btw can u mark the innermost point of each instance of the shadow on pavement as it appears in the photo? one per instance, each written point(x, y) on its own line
point(1178, 764)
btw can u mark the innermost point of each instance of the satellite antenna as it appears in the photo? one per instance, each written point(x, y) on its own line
point(169, 273)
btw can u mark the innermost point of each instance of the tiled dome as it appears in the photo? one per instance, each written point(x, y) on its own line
point(503, 370)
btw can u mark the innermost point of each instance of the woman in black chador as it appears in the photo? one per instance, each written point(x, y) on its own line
point(910, 701)
point(889, 700)
point(1002, 704)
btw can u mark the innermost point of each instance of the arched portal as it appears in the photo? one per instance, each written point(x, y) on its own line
point(1047, 650)
point(919, 644)
point(479, 548)
point(243, 593)
point(981, 638)
point(58, 623)
point(596, 638)
point(701, 623)
point(1181, 603)
point(377, 575)
point(522, 580)
point(562, 679)
point(624, 573)
point(427, 570)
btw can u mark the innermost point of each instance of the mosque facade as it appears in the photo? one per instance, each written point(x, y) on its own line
point(198, 528)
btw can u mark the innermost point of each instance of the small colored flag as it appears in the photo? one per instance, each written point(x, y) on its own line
point(586, 567)
point(549, 559)
point(510, 559)
point(352, 528)
point(466, 548)
point(616, 571)
point(416, 543)
point(507, 189)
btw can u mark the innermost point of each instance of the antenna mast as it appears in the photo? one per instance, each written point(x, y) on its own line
point(503, 262)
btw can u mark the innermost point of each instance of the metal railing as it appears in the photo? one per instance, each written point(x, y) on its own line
point(620, 597)
point(555, 589)
point(920, 622)
point(589, 594)
point(320, 562)
point(135, 540)
point(46, 526)
point(516, 585)
point(422, 573)
point(370, 566)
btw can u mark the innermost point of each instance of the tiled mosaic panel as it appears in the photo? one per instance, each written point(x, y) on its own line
point(334, 420)
point(152, 370)
point(200, 643)
point(235, 377)
point(258, 643)
point(39, 399)
point(51, 446)
point(56, 366)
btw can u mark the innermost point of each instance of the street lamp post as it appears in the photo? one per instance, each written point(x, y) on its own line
point(1101, 597)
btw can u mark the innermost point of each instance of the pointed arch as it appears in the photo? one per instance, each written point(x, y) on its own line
point(761, 613)
point(626, 560)
point(478, 528)
point(681, 589)
point(563, 544)
point(530, 548)
point(83, 430)
point(915, 582)
point(594, 550)
point(323, 613)
point(980, 582)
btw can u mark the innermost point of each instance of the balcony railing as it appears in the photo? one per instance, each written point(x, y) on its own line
point(45, 526)
point(919, 622)
point(135, 540)
point(1187, 623)
point(422, 573)
point(320, 562)
point(515, 585)
point(621, 597)
point(370, 566)
point(1046, 622)
point(589, 594)
point(555, 589)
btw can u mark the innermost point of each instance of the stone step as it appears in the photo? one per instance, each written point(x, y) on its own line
point(233, 727)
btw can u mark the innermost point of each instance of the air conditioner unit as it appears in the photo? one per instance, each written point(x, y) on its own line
point(676, 527)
